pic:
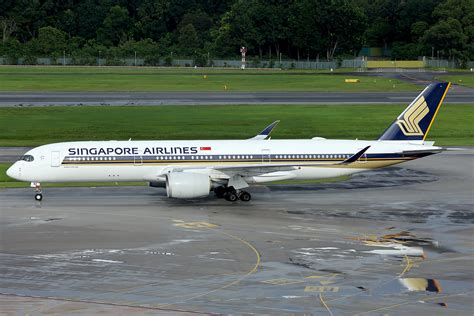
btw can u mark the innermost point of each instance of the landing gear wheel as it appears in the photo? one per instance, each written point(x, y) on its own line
point(231, 196)
point(245, 196)
point(220, 192)
point(38, 196)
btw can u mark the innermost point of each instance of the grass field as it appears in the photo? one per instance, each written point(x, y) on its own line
point(186, 79)
point(463, 80)
point(34, 126)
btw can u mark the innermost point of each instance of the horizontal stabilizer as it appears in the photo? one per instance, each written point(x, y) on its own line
point(422, 153)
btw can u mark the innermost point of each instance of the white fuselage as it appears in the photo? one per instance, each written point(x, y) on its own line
point(150, 160)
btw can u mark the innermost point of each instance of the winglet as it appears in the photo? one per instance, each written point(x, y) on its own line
point(265, 134)
point(355, 157)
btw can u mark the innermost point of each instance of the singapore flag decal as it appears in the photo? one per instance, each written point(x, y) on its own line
point(205, 148)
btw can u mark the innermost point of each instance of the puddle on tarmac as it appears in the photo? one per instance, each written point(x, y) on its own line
point(403, 243)
point(423, 286)
point(420, 284)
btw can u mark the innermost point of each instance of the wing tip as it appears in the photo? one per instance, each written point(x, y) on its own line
point(356, 156)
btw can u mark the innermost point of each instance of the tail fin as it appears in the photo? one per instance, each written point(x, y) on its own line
point(415, 122)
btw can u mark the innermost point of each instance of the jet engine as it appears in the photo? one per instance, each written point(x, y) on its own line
point(182, 185)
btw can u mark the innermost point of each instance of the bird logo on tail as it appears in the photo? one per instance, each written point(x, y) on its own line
point(410, 123)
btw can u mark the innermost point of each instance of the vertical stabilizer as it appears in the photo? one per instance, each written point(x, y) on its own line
point(415, 122)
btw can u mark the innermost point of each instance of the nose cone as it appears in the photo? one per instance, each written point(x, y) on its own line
point(12, 172)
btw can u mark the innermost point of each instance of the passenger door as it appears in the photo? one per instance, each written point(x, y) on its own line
point(55, 159)
point(137, 160)
point(266, 156)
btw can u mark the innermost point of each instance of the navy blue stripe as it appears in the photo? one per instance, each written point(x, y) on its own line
point(229, 158)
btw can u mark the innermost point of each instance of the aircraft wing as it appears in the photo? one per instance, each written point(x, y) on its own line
point(249, 170)
point(246, 170)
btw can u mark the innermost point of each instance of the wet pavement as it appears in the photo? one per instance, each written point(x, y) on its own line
point(457, 95)
point(391, 241)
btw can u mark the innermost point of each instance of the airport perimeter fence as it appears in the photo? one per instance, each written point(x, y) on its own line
point(361, 64)
point(230, 63)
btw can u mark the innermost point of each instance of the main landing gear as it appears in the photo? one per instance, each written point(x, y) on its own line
point(231, 194)
point(38, 192)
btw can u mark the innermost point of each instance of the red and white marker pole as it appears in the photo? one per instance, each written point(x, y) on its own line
point(243, 51)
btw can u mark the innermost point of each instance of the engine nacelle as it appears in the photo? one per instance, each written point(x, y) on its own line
point(157, 184)
point(182, 185)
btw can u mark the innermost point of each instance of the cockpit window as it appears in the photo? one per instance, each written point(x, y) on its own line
point(27, 158)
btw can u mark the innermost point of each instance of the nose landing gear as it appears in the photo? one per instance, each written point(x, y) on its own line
point(38, 192)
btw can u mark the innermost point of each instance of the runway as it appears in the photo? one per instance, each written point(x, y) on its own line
point(12, 154)
point(390, 241)
point(24, 99)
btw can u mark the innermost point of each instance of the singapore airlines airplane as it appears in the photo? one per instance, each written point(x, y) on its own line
point(193, 168)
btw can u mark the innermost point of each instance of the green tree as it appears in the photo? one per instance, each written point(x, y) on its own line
point(51, 42)
point(201, 23)
point(305, 30)
point(143, 48)
point(12, 49)
point(116, 26)
point(28, 17)
point(418, 29)
point(67, 22)
point(246, 24)
point(90, 15)
point(332, 26)
point(275, 23)
point(8, 27)
point(396, 21)
point(152, 19)
point(188, 41)
point(447, 35)
point(456, 20)
point(343, 26)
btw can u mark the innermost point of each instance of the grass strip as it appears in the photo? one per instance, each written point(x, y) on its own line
point(203, 79)
point(41, 125)
point(462, 80)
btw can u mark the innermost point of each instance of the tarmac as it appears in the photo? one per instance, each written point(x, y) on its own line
point(389, 241)
point(457, 95)
point(27, 99)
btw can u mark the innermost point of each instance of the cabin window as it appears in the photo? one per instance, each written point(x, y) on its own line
point(27, 158)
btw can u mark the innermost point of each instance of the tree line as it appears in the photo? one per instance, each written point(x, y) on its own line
point(296, 29)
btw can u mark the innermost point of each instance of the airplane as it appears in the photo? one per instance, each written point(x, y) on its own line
point(191, 169)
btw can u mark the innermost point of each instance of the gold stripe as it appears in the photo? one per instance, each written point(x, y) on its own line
point(356, 165)
point(437, 109)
